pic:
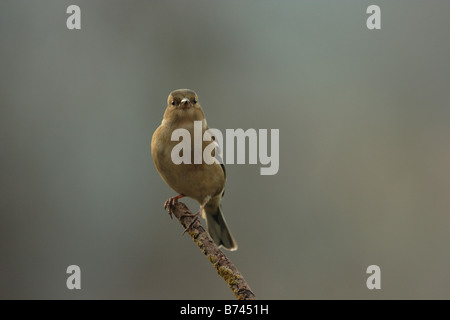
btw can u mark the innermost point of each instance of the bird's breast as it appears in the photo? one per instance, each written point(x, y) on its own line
point(194, 180)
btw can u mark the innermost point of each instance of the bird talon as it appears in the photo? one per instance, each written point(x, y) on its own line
point(168, 207)
point(170, 203)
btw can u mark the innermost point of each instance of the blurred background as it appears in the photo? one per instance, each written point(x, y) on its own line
point(364, 124)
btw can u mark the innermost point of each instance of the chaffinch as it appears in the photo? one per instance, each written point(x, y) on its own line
point(203, 182)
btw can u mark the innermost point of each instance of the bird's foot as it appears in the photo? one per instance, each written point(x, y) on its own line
point(170, 203)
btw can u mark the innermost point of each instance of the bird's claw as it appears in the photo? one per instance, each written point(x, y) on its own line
point(170, 203)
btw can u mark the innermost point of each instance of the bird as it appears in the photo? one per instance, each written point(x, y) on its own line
point(202, 182)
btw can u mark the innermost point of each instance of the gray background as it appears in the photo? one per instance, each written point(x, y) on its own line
point(364, 123)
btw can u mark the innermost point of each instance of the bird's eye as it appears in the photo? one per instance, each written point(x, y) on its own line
point(195, 101)
point(173, 102)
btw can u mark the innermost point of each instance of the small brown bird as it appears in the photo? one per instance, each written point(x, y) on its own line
point(203, 182)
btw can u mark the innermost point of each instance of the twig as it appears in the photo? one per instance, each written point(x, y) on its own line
point(224, 267)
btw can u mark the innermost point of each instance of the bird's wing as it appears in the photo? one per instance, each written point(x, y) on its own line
point(219, 157)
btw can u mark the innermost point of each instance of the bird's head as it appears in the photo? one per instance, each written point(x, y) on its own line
point(183, 104)
point(182, 99)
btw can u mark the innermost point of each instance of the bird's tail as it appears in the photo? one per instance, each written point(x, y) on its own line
point(218, 229)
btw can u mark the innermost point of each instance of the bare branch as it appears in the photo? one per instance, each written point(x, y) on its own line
point(224, 267)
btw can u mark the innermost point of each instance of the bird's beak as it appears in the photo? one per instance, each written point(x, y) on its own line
point(185, 103)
